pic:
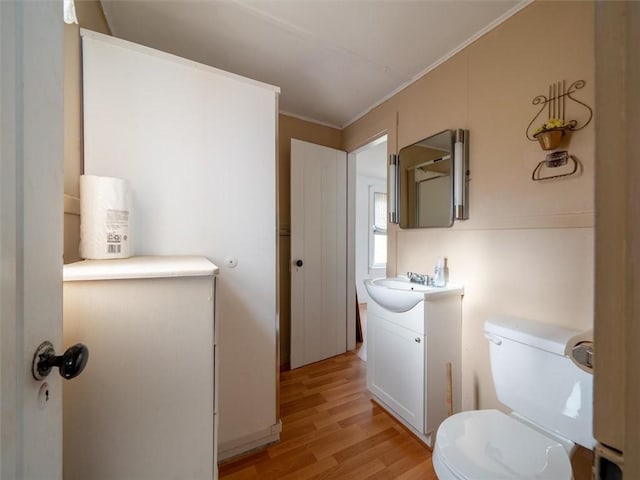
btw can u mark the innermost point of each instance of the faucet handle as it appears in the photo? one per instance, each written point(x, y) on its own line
point(419, 278)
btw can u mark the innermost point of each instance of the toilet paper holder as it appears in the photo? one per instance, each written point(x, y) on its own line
point(582, 355)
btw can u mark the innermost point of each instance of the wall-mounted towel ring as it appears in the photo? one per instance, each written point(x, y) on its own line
point(554, 160)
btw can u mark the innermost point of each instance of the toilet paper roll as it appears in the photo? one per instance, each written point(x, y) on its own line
point(577, 340)
point(586, 336)
point(105, 218)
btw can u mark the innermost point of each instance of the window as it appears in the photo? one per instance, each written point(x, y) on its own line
point(378, 230)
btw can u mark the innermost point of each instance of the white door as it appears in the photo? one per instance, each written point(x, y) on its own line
point(318, 252)
point(31, 209)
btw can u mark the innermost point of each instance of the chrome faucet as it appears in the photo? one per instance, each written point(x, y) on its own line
point(420, 278)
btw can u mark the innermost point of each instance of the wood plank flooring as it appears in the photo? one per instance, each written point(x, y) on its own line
point(331, 430)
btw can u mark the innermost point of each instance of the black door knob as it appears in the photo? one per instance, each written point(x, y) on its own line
point(299, 263)
point(70, 364)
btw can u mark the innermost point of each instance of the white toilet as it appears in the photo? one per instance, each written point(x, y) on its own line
point(551, 399)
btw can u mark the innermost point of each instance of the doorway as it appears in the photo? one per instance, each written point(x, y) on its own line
point(370, 223)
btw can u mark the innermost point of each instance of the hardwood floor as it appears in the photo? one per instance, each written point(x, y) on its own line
point(331, 430)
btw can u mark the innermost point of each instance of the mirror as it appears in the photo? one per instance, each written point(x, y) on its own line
point(429, 181)
point(425, 182)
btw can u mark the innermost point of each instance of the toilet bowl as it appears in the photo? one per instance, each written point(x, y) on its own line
point(488, 444)
point(551, 399)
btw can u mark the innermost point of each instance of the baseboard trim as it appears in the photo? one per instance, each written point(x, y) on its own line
point(255, 441)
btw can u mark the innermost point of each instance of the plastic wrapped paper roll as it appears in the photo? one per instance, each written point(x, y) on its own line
point(105, 218)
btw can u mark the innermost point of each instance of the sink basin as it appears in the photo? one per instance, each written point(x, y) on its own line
point(397, 294)
point(402, 283)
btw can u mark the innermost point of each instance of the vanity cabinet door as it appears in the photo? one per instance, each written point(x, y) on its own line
point(395, 371)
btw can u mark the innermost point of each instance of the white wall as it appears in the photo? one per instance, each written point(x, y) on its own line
point(198, 147)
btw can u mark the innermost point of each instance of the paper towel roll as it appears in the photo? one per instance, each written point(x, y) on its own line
point(105, 218)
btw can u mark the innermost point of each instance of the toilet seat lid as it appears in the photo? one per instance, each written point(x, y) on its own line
point(487, 444)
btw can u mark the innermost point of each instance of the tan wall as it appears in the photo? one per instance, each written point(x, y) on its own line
point(90, 16)
point(527, 249)
point(288, 128)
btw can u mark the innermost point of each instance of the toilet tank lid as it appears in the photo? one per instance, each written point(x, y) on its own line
point(139, 267)
point(551, 338)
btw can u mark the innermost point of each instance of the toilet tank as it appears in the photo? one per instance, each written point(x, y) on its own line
point(534, 377)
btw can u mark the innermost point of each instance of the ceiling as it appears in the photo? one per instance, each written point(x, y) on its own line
point(333, 60)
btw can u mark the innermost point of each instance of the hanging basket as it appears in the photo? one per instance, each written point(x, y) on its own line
point(550, 139)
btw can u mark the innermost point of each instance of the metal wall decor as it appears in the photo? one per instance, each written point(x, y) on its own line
point(555, 160)
point(559, 113)
point(558, 105)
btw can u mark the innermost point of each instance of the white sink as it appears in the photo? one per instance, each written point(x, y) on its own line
point(397, 294)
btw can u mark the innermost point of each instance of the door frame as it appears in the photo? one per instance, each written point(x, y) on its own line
point(31, 168)
point(617, 239)
point(351, 251)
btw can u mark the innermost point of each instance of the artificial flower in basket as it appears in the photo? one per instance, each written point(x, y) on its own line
point(550, 134)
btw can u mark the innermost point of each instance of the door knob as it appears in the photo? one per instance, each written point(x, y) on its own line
point(70, 364)
point(299, 263)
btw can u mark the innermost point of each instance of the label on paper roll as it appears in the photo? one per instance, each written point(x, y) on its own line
point(105, 218)
point(117, 222)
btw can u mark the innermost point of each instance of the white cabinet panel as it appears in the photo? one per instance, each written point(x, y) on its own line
point(395, 364)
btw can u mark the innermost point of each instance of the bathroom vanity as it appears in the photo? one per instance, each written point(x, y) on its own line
point(414, 333)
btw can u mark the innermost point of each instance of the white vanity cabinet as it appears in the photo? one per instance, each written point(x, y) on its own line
point(145, 406)
point(407, 357)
